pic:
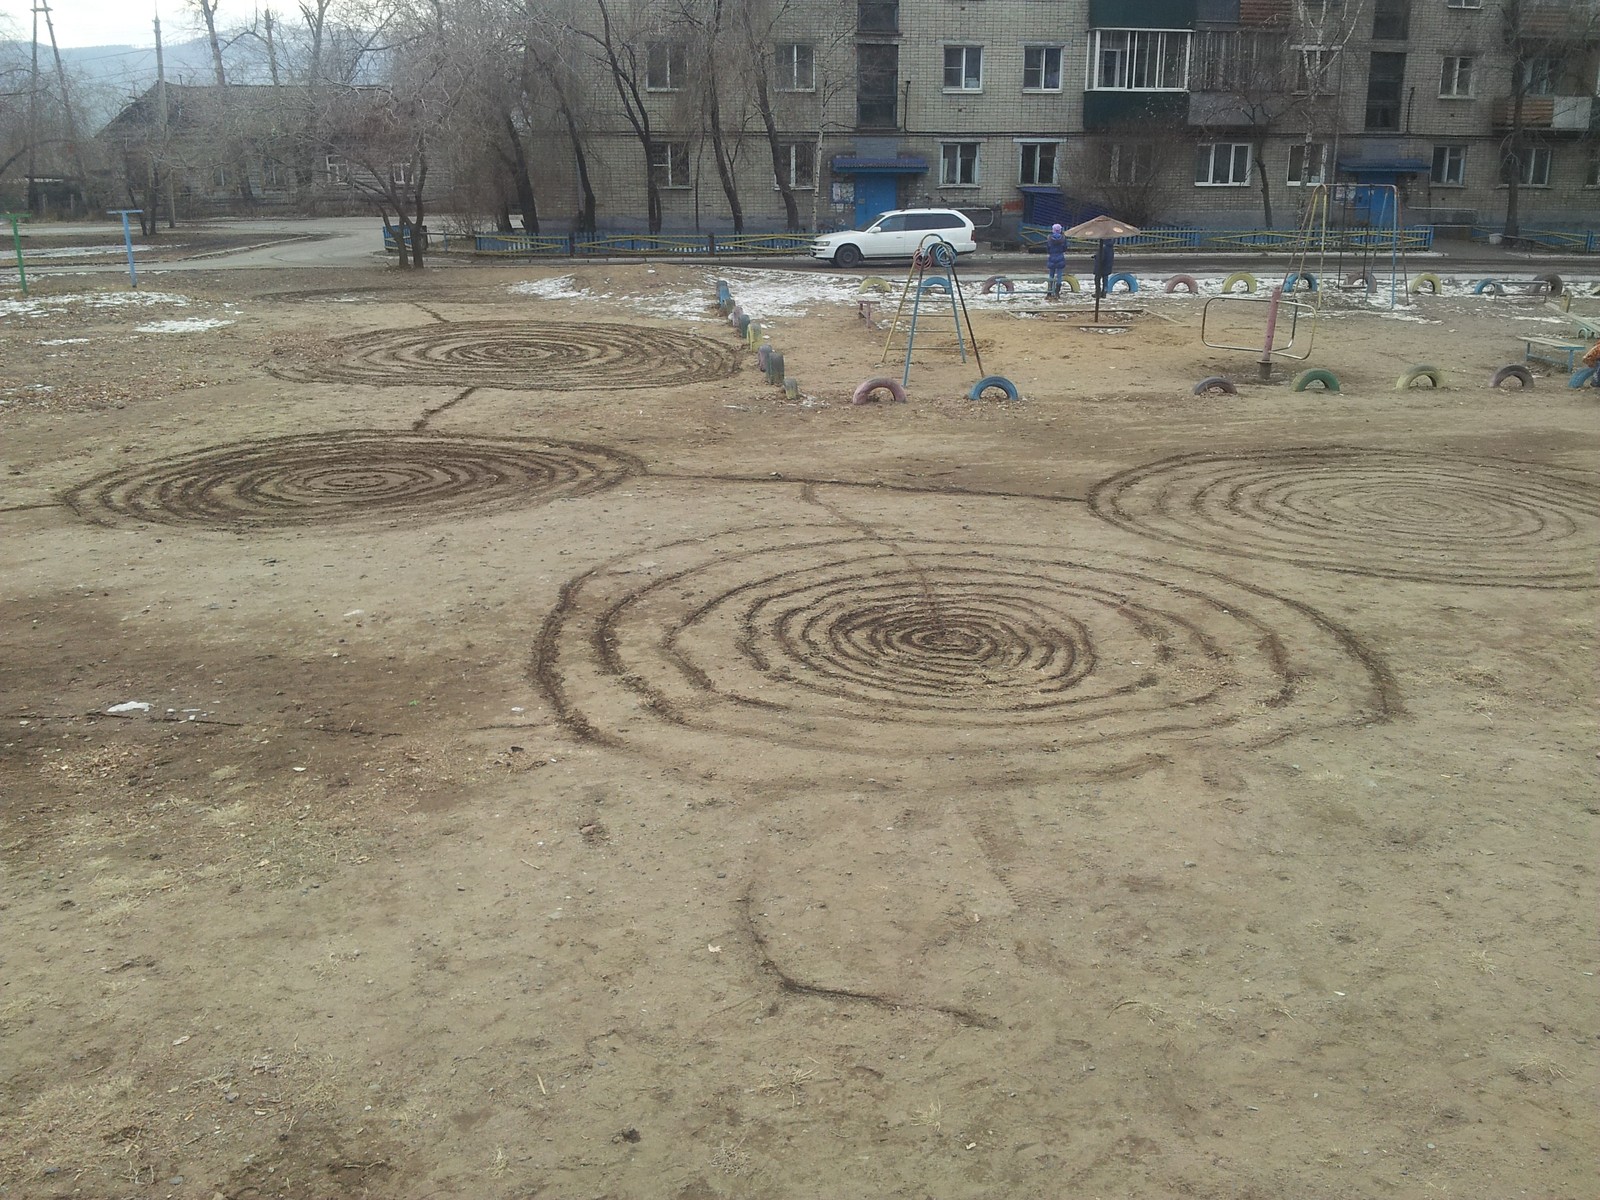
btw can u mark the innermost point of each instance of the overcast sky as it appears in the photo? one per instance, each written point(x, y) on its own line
point(107, 22)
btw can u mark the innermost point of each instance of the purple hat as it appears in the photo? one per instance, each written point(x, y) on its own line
point(1055, 229)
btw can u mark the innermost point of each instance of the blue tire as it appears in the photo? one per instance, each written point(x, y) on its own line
point(1291, 282)
point(1491, 286)
point(1584, 377)
point(1121, 277)
point(993, 381)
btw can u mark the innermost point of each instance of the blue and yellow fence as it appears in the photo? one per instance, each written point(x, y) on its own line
point(1413, 238)
point(621, 245)
point(1576, 241)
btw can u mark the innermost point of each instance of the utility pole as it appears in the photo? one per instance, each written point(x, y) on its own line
point(272, 51)
point(33, 120)
point(66, 100)
point(166, 133)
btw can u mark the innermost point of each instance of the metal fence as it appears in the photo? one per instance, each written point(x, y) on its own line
point(575, 245)
point(1582, 241)
point(1252, 241)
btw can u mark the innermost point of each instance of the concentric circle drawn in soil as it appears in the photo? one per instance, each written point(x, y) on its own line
point(521, 355)
point(1392, 514)
point(346, 476)
point(834, 643)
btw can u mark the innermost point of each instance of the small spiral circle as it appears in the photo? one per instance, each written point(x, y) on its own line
point(347, 476)
point(1382, 513)
point(550, 356)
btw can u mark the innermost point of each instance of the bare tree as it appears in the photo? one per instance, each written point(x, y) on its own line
point(617, 51)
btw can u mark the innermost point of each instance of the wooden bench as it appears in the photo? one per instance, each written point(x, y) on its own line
point(1559, 352)
point(864, 311)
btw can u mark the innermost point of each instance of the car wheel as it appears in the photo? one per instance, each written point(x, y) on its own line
point(847, 256)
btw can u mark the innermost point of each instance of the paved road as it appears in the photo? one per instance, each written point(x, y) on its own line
point(356, 242)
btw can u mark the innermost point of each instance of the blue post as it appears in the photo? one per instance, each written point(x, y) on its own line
point(127, 240)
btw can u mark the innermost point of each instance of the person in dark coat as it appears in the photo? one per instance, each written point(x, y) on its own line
point(1055, 262)
point(1104, 263)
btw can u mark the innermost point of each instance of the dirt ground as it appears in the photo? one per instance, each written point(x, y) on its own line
point(470, 740)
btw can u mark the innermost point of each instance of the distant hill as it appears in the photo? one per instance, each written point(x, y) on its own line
point(104, 78)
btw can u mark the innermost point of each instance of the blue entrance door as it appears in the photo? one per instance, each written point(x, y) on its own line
point(874, 194)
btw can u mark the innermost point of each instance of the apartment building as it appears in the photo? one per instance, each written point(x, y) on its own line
point(1217, 112)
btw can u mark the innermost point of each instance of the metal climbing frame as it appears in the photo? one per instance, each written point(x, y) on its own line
point(1370, 221)
point(1275, 304)
point(933, 251)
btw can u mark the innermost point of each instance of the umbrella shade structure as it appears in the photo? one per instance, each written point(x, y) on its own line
point(1101, 229)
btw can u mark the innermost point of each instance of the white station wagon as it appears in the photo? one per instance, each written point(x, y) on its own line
point(895, 234)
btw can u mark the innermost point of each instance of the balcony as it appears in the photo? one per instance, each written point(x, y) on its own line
point(1553, 114)
point(1141, 14)
point(1553, 21)
point(1144, 110)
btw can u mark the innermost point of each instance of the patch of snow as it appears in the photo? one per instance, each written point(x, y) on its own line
point(129, 706)
point(187, 325)
point(81, 251)
point(63, 341)
point(562, 287)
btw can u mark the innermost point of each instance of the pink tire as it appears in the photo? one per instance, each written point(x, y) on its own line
point(863, 394)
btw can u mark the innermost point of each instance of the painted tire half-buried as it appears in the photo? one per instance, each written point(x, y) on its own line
point(775, 367)
point(993, 381)
point(1291, 282)
point(752, 334)
point(937, 284)
point(1421, 371)
point(1366, 277)
point(1584, 376)
point(1515, 371)
point(791, 388)
point(1121, 277)
point(1490, 286)
point(1243, 277)
point(1427, 279)
point(1551, 281)
point(763, 357)
point(1182, 281)
point(1070, 282)
point(735, 315)
point(863, 394)
point(875, 283)
point(1215, 383)
point(1328, 380)
point(998, 281)
point(743, 323)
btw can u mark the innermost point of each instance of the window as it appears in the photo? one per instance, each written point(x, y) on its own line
point(1449, 166)
point(877, 16)
point(1533, 167)
point(795, 67)
point(669, 164)
point(1455, 77)
point(1308, 164)
point(1217, 12)
point(1038, 163)
point(1127, 163)
point(1142, 60)
point(274, 176)
point(1539, 77)
point(877, 85)
point(1041, 68)
point(1592, 179)
point(336, 169)
point(963, 68)
point(1386, 78)
point(1463, 3)
point(799, 165)
point(1222, 164)
point(219, 178)
point(666, 66)
point(1315, 70)
point(1391, 19)
point(958, 164)
point(401, 174)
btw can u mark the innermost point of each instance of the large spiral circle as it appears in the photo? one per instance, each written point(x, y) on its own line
point(841, 643)
point(1384, 513)
point(348, 476)
point(521, 355)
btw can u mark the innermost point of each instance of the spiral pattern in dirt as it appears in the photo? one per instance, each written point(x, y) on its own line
point(522, 355)
point(348, 476)
point(1384, 513)
point(826, 641)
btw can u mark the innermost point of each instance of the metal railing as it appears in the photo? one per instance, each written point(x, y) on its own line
point(1412, 239)
point(1582, 241)
point(573, 245)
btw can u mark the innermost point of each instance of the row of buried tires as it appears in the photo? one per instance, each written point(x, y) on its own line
point(1328, 381)
point(1244, 283)
point(771, 361)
